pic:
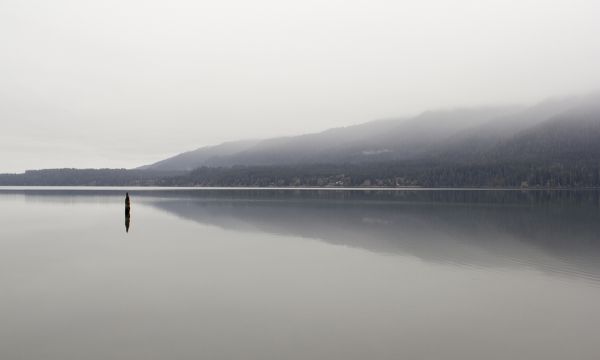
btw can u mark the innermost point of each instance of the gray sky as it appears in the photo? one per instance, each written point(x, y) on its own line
point(124, 83)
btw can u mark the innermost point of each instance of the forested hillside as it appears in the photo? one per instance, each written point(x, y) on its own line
point(552, 144)
point(466, 135)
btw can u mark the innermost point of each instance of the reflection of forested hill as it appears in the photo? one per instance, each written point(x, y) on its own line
point(550, 232)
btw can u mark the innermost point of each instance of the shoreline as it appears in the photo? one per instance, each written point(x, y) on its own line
point(289, 188)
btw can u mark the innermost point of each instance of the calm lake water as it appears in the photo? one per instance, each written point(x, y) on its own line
point(299, 275)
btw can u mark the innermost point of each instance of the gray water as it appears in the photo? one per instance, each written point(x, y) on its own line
point(299, 275)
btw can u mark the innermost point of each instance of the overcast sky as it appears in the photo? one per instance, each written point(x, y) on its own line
point(124, 83)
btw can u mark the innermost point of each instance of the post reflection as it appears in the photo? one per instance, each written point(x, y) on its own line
point(127, 221)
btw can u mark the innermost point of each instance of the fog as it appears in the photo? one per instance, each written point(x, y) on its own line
point(126, 83)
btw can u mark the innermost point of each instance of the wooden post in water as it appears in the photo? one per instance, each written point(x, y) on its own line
point(127, 212)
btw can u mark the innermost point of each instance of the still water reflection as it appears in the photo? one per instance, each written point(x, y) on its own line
point(296, 275)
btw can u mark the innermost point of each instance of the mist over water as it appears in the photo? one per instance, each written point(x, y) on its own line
point(300, 274)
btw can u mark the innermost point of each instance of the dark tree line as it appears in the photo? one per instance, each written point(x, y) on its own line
point(394, 174)
point(85, 177)
point(382, 174)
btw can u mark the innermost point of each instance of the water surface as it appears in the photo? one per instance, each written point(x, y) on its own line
point(299, 274)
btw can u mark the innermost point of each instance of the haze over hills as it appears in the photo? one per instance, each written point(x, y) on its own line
point(193, 159)
point(550, 144)
point(551, 130)
point(388, 139)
